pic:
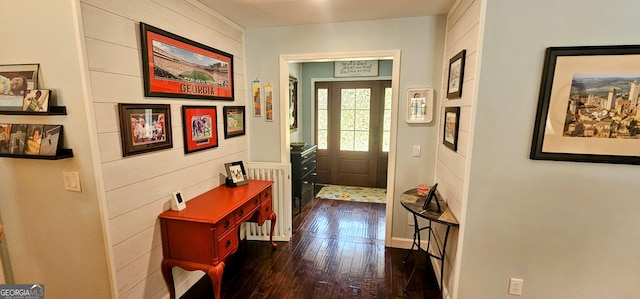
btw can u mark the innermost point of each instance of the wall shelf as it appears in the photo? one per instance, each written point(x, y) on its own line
point(62, 153)
point(53, 110)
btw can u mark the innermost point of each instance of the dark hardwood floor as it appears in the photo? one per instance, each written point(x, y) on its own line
point(337, 251)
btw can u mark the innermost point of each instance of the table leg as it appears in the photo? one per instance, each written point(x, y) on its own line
point(168, 278)
point(215, 274)
point(273, 218)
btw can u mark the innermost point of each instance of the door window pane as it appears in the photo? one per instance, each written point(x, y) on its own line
point(323, 118)
point(386, 122)
point(355, 119)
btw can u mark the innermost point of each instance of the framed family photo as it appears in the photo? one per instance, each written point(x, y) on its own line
point(236, 174)
point(200, 128)
point(144, 128)
point(456, 75)
point(451, 127)
point(174, 66)
point(588, 105)
point(15, 82)
point(234, 121)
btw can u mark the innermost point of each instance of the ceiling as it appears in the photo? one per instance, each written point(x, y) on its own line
point(272, 13)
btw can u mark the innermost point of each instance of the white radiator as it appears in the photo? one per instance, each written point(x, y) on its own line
point(280, 174)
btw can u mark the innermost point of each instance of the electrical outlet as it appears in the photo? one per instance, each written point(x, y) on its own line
point(515, 286)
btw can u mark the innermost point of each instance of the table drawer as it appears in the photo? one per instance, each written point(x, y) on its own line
point(227, 244)
point(246, 210)
point(265, 210)
point(265, 195)
point(225, 224)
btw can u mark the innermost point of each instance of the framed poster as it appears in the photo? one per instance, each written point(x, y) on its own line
point(144, 128)
point(451, 127)
point(257, 97)
point(588, 105)
point(234, 121)
point(174, 66)
point(199, 127)
point(15, 82)
point(456, 75)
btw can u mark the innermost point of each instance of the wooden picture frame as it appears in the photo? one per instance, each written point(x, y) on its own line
point(234, 121)
point(199, 127)
point(236, 174)
point(451, 127)
point(15, 82)
point(177, 67)
point(144, 128)
point(293, 103)
point(456, 75)
point(588, 105)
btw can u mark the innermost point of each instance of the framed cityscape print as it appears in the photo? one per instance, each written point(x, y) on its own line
point(177, 67)
point(451, 127)
point(199, 127)
point(456, 75)
point(588, 105)
point(144, 128)
point(234, 121)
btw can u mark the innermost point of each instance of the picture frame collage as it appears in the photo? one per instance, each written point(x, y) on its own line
point(454, 92)
point(19, 89)
point(30, 139)
point(177, 67)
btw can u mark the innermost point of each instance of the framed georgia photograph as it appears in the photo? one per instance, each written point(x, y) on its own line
point(588, 105)
point(451, 127)
point(15, 81)
point(236, 174)
point(199, 127)
point(144, 128)
point(456, 75)
point(234, 121)
point(177, 67)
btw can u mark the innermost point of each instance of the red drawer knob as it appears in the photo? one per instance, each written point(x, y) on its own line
point(226, 223)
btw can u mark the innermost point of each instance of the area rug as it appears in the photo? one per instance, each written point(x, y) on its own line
point(351, 193)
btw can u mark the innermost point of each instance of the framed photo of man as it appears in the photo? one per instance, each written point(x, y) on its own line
point(144, 128)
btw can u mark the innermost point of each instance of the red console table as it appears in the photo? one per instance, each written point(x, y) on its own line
point(201, 236)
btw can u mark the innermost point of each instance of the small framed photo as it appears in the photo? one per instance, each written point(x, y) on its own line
point(234, 121)
point(419, 105)
point(451, 127)
point(456, 75)
point(15, 81)
point(200, 128)
point(51, 139)
point(36, 100)
point(5, 138)
point(236, 174)
point(144, 128)
point(18, 139)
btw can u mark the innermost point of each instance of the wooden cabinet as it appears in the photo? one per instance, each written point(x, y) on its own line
point(205, 233)
point(303, 172)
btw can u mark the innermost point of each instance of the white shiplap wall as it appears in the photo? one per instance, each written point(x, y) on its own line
point(137, 188)
point(463, 23)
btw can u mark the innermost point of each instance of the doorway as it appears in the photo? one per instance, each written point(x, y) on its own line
point(352, 132)
point(285, 137)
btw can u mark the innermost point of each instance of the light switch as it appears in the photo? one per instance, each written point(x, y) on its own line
point(71, 181)
point(416, 151)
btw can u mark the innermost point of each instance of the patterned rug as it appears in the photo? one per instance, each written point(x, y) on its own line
point(350, 193)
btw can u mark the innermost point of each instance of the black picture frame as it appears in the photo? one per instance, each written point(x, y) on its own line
point(293, 103)
point(236, 174)
point(456, 75)
point(234, 121)
point(210, 76)
point(432, 196)
point(26, 78)
point(574, 121)
point(199, 128)
point(150, 137)
point(451, 127)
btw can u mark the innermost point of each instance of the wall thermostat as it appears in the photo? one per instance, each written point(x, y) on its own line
point(177, 203)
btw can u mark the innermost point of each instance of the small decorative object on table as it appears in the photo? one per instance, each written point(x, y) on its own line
point(297, 145)
point(431, 196)
point(236, 175)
